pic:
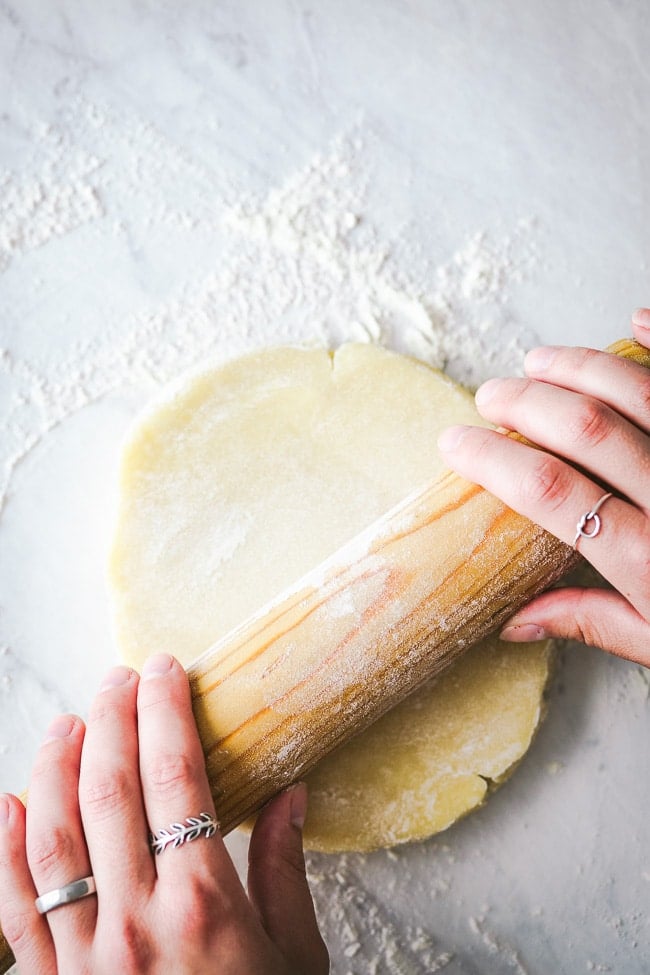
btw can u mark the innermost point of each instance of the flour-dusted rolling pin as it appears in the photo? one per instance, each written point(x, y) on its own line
point(390, 609)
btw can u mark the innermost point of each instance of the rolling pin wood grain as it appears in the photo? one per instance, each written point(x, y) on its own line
point(388, 611)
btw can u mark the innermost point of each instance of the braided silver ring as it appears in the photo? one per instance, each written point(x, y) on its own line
point(178, 833)
point(590, 518)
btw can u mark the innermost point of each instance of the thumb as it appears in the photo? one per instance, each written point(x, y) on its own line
point(277, 882)
point(596, 617)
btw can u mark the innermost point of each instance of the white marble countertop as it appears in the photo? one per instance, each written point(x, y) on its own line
point(187, 180)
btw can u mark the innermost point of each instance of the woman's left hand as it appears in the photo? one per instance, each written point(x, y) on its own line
point(93, 793)
point(590, 413)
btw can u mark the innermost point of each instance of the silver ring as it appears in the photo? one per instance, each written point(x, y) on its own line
point(178, 833)
point(75, 891)
point(587, 518)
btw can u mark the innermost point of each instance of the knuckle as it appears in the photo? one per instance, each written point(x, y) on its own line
point(11, 856)
point(103, 794)
point(638, 554)
point(46, 851)
point(587, 630)
point(519, 388)
point(583, 357)
point(592, 423)
point(291, 864)
point(105, 708)
point(547, 483)
point(100, 711)
point(586, 633)
point(17, 926)
point(644, 571)
point(643, 401)
point(507, 392)
point(480, 446)
point(131, 948)
point(170, 774)
point(286, 864)
point(195, 913)
point(8, 860)
point(156, 694)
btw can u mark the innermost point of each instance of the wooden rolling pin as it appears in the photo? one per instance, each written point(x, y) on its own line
point(389, 610)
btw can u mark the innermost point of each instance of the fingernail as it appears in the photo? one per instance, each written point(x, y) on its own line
point(450, 438)
point(59, 728)
point(298, 808)
point(5, 811)
point(485, 392)
point(115, 678)
point(522, 633)
point(157, 666)
point(641, 317)
point(540, 359)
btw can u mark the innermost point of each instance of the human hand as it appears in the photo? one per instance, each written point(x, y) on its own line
point(93, 792)
point(590, 413)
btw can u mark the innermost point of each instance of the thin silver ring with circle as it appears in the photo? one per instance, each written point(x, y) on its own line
point(590, 518)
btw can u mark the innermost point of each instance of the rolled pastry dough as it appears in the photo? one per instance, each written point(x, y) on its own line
point(247, 475)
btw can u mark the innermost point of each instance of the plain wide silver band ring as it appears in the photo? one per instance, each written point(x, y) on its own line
point(592, 519)
point(75, 891)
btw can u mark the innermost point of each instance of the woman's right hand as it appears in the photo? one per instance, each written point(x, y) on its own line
point(589, 412)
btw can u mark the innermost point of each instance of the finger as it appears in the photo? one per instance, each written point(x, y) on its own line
point(172, 769)
point(581, 428)
point(277, 881)
point(27, 932)
point(620, 383)
point(596, 617)
point(641, 326)
point(110, 794)
point(56, 846)
point(552, 494)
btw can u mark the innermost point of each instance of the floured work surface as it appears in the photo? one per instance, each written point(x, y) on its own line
point(248, 475)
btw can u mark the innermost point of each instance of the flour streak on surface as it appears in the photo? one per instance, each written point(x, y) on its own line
point(370, 940)
point(301, 264)
point(50, 197)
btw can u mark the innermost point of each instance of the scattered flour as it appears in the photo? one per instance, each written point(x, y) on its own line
point(51, 201)
point(302, 264)
point(497, 947)
point(370, 941)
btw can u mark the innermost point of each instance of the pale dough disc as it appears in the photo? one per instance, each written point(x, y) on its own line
point(245, 477)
